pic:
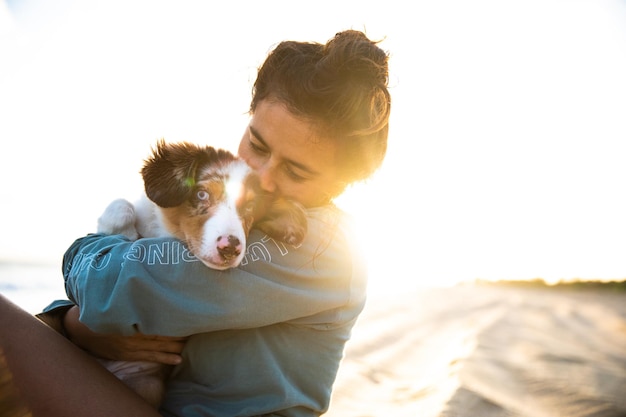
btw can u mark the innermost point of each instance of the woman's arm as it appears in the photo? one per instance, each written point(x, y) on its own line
point(44, 373)
point(138, 347)
point(155, 286)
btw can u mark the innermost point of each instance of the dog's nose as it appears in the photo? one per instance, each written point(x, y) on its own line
point(228, 246)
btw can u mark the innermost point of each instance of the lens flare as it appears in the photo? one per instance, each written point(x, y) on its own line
point(233, 187)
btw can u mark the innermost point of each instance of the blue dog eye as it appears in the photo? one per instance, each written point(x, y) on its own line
point(202, 195)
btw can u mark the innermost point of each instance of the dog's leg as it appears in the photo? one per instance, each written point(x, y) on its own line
point(285, 221)
point(118, 219)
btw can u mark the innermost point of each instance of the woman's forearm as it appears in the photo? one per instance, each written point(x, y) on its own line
point(149, 286)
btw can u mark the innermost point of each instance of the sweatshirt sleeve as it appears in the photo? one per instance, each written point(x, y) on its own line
point(156, 286)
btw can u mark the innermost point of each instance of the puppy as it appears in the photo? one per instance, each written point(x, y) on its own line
point(209, 199)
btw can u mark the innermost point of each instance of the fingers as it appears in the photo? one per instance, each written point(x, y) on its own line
point(159, 349)
point(154, 356)
point(139, 347)
point(141, 342)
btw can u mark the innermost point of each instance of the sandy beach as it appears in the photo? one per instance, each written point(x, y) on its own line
point(487, 352)
point(484, 351)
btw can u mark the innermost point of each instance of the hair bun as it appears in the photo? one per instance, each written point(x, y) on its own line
point(352, 56)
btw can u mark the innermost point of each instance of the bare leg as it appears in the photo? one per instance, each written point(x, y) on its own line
point(42, 372)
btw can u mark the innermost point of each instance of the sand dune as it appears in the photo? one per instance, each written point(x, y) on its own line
point(483, 352)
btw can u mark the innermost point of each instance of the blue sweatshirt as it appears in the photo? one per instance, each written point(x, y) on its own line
point(268, 336)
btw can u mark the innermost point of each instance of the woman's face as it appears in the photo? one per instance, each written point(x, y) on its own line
point(290, 157)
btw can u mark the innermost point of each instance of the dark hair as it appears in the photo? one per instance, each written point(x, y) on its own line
point(341, 87)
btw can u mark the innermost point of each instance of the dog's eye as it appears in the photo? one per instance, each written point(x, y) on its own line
point(202, 195)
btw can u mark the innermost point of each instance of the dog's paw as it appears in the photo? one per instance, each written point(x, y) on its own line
point(119, 219)
point(294, 235)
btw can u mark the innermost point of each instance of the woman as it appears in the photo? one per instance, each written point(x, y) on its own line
point(267, 336)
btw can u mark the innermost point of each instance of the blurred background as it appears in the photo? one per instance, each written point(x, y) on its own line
point(506, 150)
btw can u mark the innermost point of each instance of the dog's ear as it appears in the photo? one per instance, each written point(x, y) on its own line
point(280, 218)
point(285, 221)
point(170, 174)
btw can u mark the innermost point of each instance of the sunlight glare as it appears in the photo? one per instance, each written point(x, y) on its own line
point(234, 187)
point(505, 143)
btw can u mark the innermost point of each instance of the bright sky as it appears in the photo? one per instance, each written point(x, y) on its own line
point(507, 143)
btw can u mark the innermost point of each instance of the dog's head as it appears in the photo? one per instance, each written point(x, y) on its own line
point(210, 199)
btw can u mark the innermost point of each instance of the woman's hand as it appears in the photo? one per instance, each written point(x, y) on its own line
point(139, 347)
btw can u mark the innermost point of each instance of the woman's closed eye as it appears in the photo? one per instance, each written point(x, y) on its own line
point(260, 149)
point(257, 147)
point(291, 173)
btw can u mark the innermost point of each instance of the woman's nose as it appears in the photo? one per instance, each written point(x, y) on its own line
point(266, 176)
